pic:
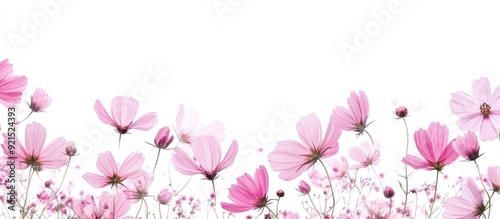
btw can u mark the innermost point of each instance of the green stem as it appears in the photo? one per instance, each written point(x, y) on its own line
point(431, 210)
point(156, 162)
point(331, 186)
point(371, 139)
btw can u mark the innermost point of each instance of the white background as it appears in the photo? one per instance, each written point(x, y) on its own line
point(242, 65)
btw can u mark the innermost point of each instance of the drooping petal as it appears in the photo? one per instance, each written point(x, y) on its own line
point(185, 164)
point(416, 162)
point(95, 180)
point(145, 122)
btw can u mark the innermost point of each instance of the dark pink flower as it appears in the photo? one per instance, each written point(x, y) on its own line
point(186, 123)
point(248, 193)
point(434, 147)
point(388, 192)
point(39, 100)
point(123, 112)
point(355, 118)
point(35, 154)
point(469, 206)
point(365, 154)
point(401, 112)
point(11, 87)
point(163, 138)
point(479, 112)
point(111, 174)
point(110, 206)
point(467, 146)
point(207, 152)
point(292, 158)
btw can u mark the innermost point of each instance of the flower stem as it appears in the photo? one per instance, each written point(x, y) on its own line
point(312, 202)
point(331, 186)
point(215, 196)
point(159, 208)
point(371, 139)
point(17, 123)
point(146, 207)
point(431, 210)
point(156, 162)
point(60, 185)
point(140, 206)
point(271, 211)
point(30, 173)
point(406, 167)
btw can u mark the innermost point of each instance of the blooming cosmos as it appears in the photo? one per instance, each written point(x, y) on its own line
point(11, 87)
point(434, 147)
point(186, 123)
point(292, 158)
point(207, 152)
point(111, 173)
point(248, 193)
point(355, 118)
point(123, 112)
point(479, 112)
point(35, 154)
point(467, 146)
point(110, 206)
point(469, 206)
point(365, 154)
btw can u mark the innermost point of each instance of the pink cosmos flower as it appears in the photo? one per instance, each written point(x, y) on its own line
point(494, 178)
point(186, 122)
point(207, 152)
point(469, 206)
point(248, 193)
point(163, 138)
point(467, 146)
point(292, 158)
point(164, 197)
point(479, 112)
point(35, 154)
point(434, 147)
point(111, 174)
point(137, 188)
point(110, 206)
point(354, 118)
point(11, 87)
point(39, 100)
point(365, 154)
point(339, 168)
point(123, 112)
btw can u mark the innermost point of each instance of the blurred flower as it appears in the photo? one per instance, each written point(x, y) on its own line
point(137, 188)
point(469, 205)
point(290, 215)
point(163, 138)
point(365, 155)
point(434, 147)
point(467, 146)
point(401, 112)
point(494, 178)
point(292, 158)
point(207, 152)
point(479, 112)
point(70, 150)
point(388, 192)
point(11, 87)
point(304, 188)
point(248, 193)
point(339, 168)
point(35, 154)
point(355, 118)
point(186, 122)
point(280, 193)
point(39, 100)
point(110, 206)
point(164, 197)
point(112, 175)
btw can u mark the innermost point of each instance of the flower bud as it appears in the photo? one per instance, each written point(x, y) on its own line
point(164, 197)
point(388, 192)
point(401, 112)
point(71, 150)
point(280, 193)
point(304, 188)
point(163, 138)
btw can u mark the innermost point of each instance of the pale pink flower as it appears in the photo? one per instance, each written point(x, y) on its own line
point(207, 157)
point(469, 206)
point(290, 215)
point(355, 118)
point(479, 112)
point(35, 154)
point(11, 87)
point(292, 158)
point(186, 123)
point(248, 193)
point(39, 100)
point(304, 188)
point(467, 146)
point(123, 112)
point(164, 197)
point(110, 206)
point(111, 173)
point(434, 147)
point(494, 178)
point(339, 168)
point(137, 188)
point(365, 154)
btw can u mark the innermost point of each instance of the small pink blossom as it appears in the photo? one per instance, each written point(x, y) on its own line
point(339, 168)
point(355, 118)
point(110, 206)
point(479, 112)
point(292, 158)
point(137, 188)
point(290, 215)
point(365, 154)
point(469, 206)
point(35, 154)
point(207, 152)
point(467, 146)
point(11, 87)
point(163, 138)
point(186, 123)
point(111, 174)
point(401, 112)
point(248, 193)
point(494, 178)
point(304, 188)
point(39, 100)
point(434, 147)
point(164, 197)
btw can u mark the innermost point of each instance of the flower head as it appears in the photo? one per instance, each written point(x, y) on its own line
point(388, 192)
point(494, 178)
point(248, 193)
point(137, 188)
point(11, 87)
point(401, 112)
point(434, 147)
point(292, 158)
point(39, 100)
point(355, 118)
point(467, 146)
point(207, 152)
point(186, 122)
point(110, 206)
point(304, 188)
point(164, 197)
point(111, 173)
point(365, 154)
point(479, 112)
point(469, 205)
point(339, 167)
point(163, 138)
point(36, 154)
